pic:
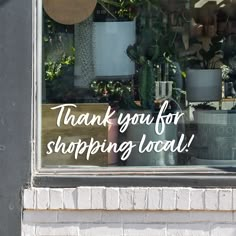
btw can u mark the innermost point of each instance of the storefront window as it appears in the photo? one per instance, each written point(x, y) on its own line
point(138, 83)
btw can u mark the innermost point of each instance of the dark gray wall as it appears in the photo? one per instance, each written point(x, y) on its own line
point(15, 109)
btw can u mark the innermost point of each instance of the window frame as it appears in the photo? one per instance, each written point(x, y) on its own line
point(192, 176)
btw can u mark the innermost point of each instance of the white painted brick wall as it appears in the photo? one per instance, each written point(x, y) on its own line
point(168, 199)
point(188, 230)
point(126, 198)
point(29, 199)
point(127, 223)
point(234, 198)
point(98, 198)
point(57, 230)
point(183, 199)
point(28, 230)
point(154, 198)
point(56, 199)
point(84, 200)
point(112, 198)
point(101, 229)
point(140, 198)
point(144, 229)
point(42, 198)
point(225, 199)
point(101, 198)
point(223, 229)
point(70, 198)
point(211, 199)
point(197, 199)
point(100, 211)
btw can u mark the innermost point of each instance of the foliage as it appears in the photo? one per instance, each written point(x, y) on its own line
point(225, 72)
point(110, 91)
point(51, 30)
point(54, 69)
point(208, 59)
point(154, 47)
point(120, 8)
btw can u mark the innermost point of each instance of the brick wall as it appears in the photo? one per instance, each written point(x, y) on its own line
point(104, 211)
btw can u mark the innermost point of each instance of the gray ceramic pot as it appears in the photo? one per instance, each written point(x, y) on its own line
point(135, 133)
point(204, 85)
point(215, 141)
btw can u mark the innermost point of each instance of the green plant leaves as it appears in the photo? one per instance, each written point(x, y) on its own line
point(146, 85)
point(208, 58)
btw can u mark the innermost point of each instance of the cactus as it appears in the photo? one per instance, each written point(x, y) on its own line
point(146, 85)
point(153, 46)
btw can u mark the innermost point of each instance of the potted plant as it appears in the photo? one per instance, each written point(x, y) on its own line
point(214, 142)
point(204, 79)
point(153, 48)
point(229, 69)
point(101, 41)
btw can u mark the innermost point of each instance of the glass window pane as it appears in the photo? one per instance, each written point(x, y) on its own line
point(139, 83)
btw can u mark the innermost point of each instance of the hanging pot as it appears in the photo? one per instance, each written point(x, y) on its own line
point(69, 12)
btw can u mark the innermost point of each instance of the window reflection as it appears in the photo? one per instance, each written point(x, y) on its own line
point(134, 56)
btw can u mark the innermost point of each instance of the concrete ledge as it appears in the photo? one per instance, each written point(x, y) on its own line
point(130, 217)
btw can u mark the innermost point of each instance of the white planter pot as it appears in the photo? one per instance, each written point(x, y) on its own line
point(111, 42)
point(204, 85)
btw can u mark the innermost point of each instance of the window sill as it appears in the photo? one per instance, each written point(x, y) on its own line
point(145, 177)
